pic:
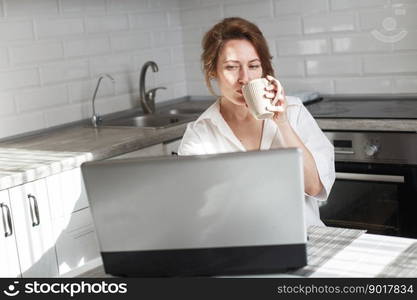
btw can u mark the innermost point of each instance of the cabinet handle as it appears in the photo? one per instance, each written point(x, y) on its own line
point(8, 228)
point(34, 210)
point(174, 153)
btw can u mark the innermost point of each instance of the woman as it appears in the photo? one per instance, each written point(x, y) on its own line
point(234, 53)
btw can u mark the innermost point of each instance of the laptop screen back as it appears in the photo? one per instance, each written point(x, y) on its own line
point(233, 213)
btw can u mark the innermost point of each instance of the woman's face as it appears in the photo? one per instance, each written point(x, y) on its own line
point(238, 63)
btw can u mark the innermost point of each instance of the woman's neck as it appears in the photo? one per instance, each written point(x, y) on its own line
point(234, 112)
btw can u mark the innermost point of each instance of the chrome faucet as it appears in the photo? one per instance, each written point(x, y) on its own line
point(96, 119)
point(147, 98)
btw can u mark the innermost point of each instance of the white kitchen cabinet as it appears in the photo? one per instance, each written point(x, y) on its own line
point(171, 147)
point(9, 260)
point(66, 193)
point(77, 242)
point(155, 150)
point(33, 228)
point(73, 227)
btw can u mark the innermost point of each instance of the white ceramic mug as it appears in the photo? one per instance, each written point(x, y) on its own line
point(258, 105)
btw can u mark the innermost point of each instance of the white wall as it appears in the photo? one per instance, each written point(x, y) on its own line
point(52, 52)
point(321, 45)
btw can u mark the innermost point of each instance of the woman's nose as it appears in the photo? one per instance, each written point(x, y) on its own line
point(243, 76)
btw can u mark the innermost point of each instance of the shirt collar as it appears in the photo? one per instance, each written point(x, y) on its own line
point(213, 115)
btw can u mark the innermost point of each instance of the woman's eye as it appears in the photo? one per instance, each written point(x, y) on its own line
point(255, 67)
point(231, 68)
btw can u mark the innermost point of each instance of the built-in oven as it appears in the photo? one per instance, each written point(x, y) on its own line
point(376, 183)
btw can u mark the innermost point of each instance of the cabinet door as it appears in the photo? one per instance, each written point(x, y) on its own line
point(66, 193)
point(9, 260)
point(77, 242)
point(171, 147)
point(32, 219)
point(155, 150)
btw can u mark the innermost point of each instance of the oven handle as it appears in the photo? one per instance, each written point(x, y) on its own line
point(370, 177)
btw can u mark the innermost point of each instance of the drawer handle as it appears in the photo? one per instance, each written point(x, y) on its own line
point(8, 228)
point(173, 153)
point(34, 210)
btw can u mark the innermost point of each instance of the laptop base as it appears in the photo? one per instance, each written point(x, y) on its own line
point(205, 261)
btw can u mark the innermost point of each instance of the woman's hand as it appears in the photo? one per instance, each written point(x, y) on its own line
point(275, 92)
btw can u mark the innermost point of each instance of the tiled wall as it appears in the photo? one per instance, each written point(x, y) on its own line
point(330, 46)
point(52, 52)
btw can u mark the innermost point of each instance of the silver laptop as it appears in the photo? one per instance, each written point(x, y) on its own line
point(226, 214)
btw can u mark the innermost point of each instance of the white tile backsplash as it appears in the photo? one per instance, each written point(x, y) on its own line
point(249, 10)
point(66, 114)
point(64, 71)
point(127, 5)
point(354, 4)
point(149, 20)
point(390, 64)
point(19, 78)
point(87, 46)
point(36, 52)
point(83, 90)
point(41, 98)
point(7, 105)
point(405, 85)
point(272, 27)
point(13, 31)
point(302, 46)
point(127, 41)
point(115, 63)
point(4, 57)
point(48, 27)
point(289, 67)
point(335, 65)
point(363, 85)
point(55, 49)
point(294, 85)
point(17, 124)
point(167, 38)
point(95, 24)
point(364, 42)
point(201, 15)
point(82, 6)
point(30, 7)
point(329, 23)
point(299, 7)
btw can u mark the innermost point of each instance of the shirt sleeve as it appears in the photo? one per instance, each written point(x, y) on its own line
point(321, 149)
point(191, 143)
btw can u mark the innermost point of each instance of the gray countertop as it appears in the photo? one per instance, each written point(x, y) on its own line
point(50, 152)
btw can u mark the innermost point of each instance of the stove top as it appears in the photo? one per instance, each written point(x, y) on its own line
point(365, 107)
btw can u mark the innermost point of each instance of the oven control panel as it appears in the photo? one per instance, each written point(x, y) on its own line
point(375, 147)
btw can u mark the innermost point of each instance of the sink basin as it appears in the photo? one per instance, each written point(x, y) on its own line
point(151, 121)
point(187, 111)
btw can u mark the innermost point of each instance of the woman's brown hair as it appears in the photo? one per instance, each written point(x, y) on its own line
point(232, 29)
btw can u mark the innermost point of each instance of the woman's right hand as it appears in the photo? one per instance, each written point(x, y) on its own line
point(276, 93)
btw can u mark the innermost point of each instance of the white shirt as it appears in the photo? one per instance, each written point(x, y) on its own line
point(210, 134)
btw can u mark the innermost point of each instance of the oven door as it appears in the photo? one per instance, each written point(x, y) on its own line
point(372, 197)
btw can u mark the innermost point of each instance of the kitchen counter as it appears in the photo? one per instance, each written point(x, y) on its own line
point(368, 124)
point(336, 252)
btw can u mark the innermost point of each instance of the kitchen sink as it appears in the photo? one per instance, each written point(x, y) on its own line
point(185, 111)
point(151, 121)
